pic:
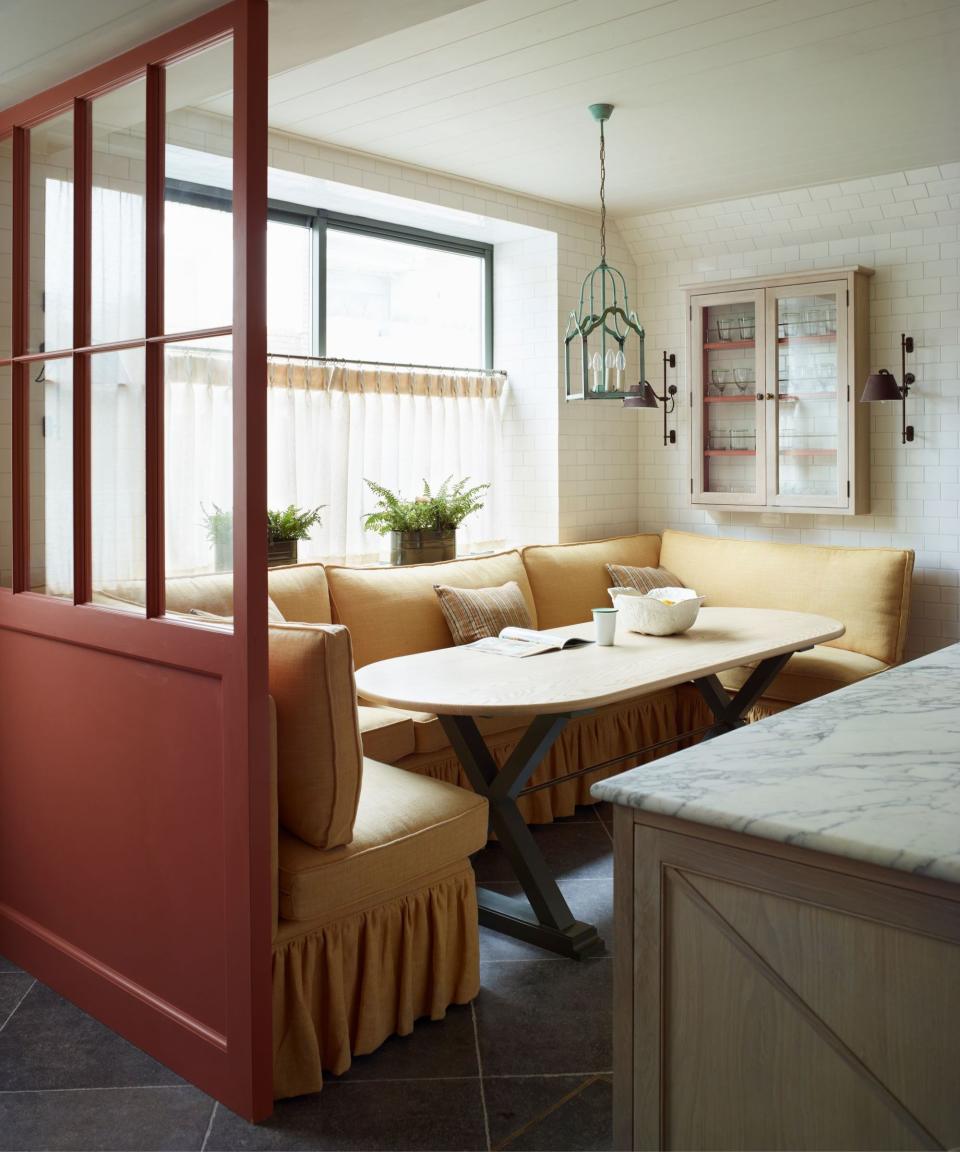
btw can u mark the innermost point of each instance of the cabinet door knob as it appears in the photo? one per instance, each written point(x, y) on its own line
point(769, 395)
point(759, 395)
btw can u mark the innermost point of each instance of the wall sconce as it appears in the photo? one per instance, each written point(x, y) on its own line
point(883, 385)
point(645, 397)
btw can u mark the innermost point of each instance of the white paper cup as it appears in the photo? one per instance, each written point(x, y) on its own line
point(605, 620)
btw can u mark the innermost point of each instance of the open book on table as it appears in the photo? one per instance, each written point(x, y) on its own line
point(526, 642)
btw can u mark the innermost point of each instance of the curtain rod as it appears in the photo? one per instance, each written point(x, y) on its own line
point(387, 364)
point(364, 363)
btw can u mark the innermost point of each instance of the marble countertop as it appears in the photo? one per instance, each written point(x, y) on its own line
point(871, 772)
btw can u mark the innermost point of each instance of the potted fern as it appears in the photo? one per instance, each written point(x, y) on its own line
point(285, 527)
point(219, 526)
point(424, 529)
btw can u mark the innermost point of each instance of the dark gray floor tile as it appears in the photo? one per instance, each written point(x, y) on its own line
point(515, 1103)
point(50, 1043)
point(573, 852)
point(590, 900)
point(130, 1119)
point(348, 1116)
point(8, 965)
point(538, 1016)
point(579, 1118)
point(435, 1048)
point(14, 985)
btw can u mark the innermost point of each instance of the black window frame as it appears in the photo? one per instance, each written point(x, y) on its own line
point(321, 220)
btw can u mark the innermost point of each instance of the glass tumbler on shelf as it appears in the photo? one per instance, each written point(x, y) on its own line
point(748, 326)
point(719, 440)
point(744, 379)
point(729, 328)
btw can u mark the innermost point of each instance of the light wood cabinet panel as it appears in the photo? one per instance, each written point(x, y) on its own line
point(776, 999)
point(775, 371)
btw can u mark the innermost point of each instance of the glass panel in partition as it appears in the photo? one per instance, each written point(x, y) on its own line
point(51, 477)
point(730, 408)
point(6, 479)
point(118, 478)
point(51, 235)
point(118, 237)
point(198, 217)
point(402, 302)
point(808, 416)
point(6, 246)
point(199, 469)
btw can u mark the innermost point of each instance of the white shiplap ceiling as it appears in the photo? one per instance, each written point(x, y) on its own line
point(715, 98)
point(43, 42)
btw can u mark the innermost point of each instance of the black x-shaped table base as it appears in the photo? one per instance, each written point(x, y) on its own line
point(544, 918)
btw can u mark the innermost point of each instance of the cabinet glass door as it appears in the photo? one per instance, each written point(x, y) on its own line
point(728, 380)
point(806, 366)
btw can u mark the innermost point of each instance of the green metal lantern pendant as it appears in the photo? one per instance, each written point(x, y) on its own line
point(603, 312)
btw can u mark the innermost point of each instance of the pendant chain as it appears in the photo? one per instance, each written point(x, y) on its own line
point(603, 203)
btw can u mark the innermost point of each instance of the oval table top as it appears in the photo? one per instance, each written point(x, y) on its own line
point(458, 681)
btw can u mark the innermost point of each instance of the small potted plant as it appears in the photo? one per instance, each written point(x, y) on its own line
point(285, 527)
point(424, 529)
point(219, 526)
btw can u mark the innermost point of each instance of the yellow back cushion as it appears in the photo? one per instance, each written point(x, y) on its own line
point(570, 579)
point(319, 752)
point(395, 611)
point(866, 589)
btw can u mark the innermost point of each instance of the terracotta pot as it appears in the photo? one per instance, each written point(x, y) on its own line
point(423, 547)
point(281, 552)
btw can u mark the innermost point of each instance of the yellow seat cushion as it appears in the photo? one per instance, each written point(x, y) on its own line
point(408, 828)
point(810, 674)
point(319, 754)
point(387, 733)
point(395, 611)
point(866, 589)
point(570, 579)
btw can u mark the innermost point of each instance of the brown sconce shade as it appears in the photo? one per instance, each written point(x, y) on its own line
point(881, 385)
point(645, 397)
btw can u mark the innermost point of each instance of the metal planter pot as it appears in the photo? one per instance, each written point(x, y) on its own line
point(280, 552)
point(423, 547)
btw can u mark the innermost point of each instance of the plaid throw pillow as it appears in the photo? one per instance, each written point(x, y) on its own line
point(643, 579)
point(473, 613)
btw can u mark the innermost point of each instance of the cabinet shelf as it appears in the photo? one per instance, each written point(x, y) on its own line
point(729, 451)
point(722, 345)
point(824, 338)
point(745, 398)
point(807, 396)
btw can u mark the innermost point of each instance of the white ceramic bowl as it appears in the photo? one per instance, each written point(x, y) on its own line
point(648, 613)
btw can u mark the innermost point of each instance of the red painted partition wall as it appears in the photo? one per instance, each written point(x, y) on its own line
point(134, 791)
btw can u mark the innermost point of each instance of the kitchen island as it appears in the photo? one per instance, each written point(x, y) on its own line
point(787, 968)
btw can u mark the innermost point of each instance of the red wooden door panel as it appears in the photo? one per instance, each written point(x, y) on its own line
point(134, 789)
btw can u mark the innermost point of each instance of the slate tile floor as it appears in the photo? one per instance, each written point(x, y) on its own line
point(527, 1066)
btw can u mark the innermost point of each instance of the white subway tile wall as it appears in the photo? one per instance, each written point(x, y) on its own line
point(905, 225)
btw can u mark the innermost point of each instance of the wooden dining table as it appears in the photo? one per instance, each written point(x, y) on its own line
point(461, 685)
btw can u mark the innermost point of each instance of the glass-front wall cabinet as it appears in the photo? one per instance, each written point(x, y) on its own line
point(773, 368)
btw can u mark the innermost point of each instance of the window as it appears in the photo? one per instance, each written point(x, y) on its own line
point(340, 286)
point(396, 301)
point(352, 290)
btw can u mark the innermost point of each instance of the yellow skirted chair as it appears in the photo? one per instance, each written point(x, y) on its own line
point(377, 913)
